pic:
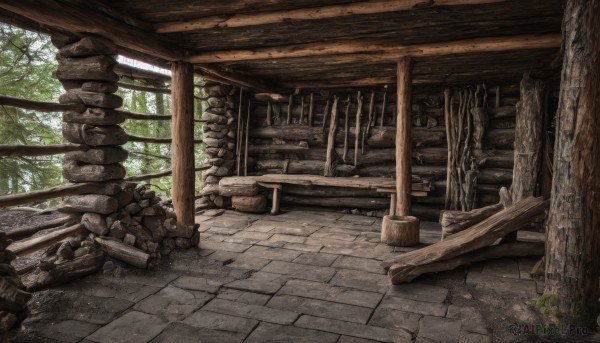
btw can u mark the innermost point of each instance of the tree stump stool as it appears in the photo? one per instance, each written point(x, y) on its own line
point(401, 231)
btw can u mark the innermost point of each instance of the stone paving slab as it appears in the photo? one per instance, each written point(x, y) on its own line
point(471, 337)
point(413, 306)
point(172, 303)
point(350, 339)
point(198, 284)
point(361, 280)
point(267, 332)
point(182, 333)
point(357, 263)
point(240, 240)
point(353, 329)
point(226, 246)
point(320, 308)
point(505, 267)
point(395, 320)
point(223, 322)
point(262, 226)
point(256, 312)
point(260, 236)
point(295, 229)
point(321, 291)
point(132, 327)
point(224, 231)
point(438, 329)
point(303, 247)
point(316, 259)
point(103, 288)
point(256, 286)
point(273, 253)
point(243, 296)
point(357, 249)
point(280, 237)
point(522, 288)
point(419, 291)
point(300, 271)
point(144, 277)
point(335, 233)
point(68, 330)
point(470, 317)
point(357, 219)
point(237, 223)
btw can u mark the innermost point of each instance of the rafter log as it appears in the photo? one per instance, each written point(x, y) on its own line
point(384, 52)
point(314, 13)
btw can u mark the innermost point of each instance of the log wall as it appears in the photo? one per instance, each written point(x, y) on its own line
point(300, 147)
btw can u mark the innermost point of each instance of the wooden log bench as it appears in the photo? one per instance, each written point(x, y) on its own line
point(383, 185)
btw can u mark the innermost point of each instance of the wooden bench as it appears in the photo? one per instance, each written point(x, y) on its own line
point(383, 185)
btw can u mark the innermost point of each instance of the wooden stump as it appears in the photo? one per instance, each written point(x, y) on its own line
point(401, 231)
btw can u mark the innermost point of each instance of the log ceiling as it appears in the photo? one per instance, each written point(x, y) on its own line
point(277, 45)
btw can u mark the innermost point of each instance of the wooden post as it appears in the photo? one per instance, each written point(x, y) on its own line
point(403, 142)
point(276, 200)
point(573, 226)
point(182, 149)
point(331, 158)
point(528, 138)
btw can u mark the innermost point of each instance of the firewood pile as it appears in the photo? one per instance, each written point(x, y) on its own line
point(137, 229)
point(13, 298)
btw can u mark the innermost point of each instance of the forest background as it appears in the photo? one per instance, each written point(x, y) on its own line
point(27, 64)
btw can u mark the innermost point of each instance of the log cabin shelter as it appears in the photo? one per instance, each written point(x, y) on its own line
point(422, 105)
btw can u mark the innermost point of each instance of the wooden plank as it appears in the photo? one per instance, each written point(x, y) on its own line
point(160, 174)
point(44, 194)
point(182, 131)
point(23, 248)
point(403, 137)
point(41, 106)
point(144, 88)
point(133, 138)
point(313, 13)
point(39, 150)
point(383, 52)
point(317, 180)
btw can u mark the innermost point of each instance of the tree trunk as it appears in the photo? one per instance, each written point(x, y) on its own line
point(573, 234)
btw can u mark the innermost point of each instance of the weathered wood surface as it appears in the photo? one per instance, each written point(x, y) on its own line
point(50, 193)
point(478, 236)
point(160, 174)
point(243, 185)
point(331, 156)
point(182, 131)
point(316, 180)
point(41, 106)
point(401, 231)
point(79, 172)
point(99, 155)
point(456, 221)
point(479, 255)
point(96, 203)
point(123, 252)
point(337, 202)
point(572, 260)
point(403, 136)
point(26, 247)
point(39, 150)
point(528, 138)
point(252, 204)
point(26, 231)
point(95, 116)
point(68, 271)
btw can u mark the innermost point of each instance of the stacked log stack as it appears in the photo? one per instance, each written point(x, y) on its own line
point(130, 224)
point(300, 148)
point(13, 298)
point(219, 139)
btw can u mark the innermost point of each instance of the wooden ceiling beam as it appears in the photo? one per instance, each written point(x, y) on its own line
point(313, 13)
point(383, 51)
point(76, 19)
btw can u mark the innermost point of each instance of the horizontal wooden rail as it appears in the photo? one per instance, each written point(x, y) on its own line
point(41, 106)
point(144, 88)
point(39, 150)
point(161, 174)
point(26, 231)
point(139, 139)
point(137, 73)
point(23, 248)
point(45, 194)
point(149, 116)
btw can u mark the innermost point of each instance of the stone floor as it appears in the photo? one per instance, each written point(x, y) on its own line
point(302, 276)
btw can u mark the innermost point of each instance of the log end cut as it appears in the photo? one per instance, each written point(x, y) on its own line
point(401, 231)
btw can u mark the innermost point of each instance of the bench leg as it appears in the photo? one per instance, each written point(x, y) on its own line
point(393, 204)
point(276, 200)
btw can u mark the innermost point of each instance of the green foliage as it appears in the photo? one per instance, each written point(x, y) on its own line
point(26, 66)
point(546, 304)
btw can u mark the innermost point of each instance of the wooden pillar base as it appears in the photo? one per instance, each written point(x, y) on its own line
point(276, 200)
point(400, 231)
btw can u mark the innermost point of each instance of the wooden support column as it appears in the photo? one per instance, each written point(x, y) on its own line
point(403, 141)
point(182, 132)
point(573, 226)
